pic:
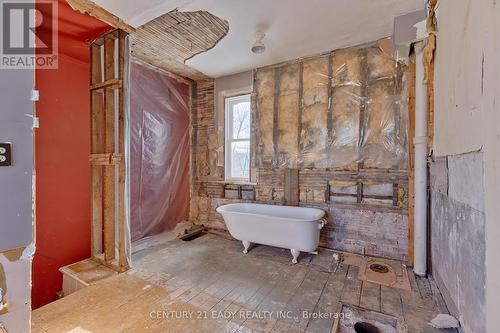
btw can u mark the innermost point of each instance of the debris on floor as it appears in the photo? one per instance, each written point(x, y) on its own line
point(444, 321)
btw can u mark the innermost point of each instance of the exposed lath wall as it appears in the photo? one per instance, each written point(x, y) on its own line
point(171, 39)
point(365, 198)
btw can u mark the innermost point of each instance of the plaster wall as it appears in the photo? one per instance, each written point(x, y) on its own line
point(458, 236)
point(466, 113)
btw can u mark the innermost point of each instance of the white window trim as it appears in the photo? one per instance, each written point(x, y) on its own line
point(228, 139)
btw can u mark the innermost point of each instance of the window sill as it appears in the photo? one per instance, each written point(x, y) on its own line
point(236, 182)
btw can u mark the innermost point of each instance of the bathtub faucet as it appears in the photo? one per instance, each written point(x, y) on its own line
point(322, 223)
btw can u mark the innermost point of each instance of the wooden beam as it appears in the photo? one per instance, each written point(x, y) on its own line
point(92, 9)
point(291, 187)
point(276, 135)
point(105, 159)
point(109, 146)
point(96, 135)
point(122, 256)
point(113, 84)
point(362, 106)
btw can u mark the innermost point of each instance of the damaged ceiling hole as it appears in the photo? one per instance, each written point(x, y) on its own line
point(364, 327)
point(379, 268)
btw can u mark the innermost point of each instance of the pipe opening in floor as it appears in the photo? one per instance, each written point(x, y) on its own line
point(379, 268)
point(192, 236)
point(364, 327)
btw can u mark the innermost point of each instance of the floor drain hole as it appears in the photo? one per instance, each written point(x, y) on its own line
point(364, 327)
point(190, 237)
point(379, 268)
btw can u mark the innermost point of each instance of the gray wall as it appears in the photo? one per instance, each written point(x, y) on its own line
point(467, 119)
point(16, 181)
point(458, 243)
point(232, 82)
point(16, 202)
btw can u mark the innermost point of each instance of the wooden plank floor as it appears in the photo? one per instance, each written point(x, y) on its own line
point(208, 285)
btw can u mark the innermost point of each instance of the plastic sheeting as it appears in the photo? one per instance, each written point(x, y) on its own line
point(333, 111)
point(159, 151)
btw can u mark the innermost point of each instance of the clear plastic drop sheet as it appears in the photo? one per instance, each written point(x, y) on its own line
point(332, 111)
point(159, 151)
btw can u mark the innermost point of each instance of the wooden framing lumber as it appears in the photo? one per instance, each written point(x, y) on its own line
point(96, 188)
point(105, 159)
point(113, 83)
point(291, 187)
point(109, 146)
point(122, 257)
point(108, 150)
point(92, 9)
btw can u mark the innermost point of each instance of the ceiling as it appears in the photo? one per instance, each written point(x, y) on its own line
point(293, 28)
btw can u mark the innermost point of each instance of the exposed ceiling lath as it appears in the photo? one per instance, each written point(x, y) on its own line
point(169, 40)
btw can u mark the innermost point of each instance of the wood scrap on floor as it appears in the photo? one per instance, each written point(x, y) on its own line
point(83, 274)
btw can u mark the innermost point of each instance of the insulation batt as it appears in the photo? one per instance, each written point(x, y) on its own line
point(333, 111)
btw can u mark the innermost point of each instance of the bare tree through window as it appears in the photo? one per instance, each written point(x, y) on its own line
point(238, 137)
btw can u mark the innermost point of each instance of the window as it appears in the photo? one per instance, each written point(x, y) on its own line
point(237, 145)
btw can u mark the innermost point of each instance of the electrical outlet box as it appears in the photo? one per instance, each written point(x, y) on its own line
point(5, 154)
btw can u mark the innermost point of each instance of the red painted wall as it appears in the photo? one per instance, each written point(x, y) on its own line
point(62, 147)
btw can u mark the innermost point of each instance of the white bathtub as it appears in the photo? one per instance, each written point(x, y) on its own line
point(294, 228)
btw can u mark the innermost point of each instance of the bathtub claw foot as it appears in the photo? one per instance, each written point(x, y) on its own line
point(246, 245)
point(295, 254)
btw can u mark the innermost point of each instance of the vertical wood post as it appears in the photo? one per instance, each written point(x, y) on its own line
point(109, 146)
point(291, 187)
point(96, 148)
point(107, 157)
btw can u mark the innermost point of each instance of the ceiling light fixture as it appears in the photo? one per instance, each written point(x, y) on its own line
point(258, 46)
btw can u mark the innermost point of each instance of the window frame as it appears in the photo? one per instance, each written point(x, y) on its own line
point(228, 137)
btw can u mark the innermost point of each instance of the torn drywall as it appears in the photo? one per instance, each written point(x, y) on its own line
point(15, 294)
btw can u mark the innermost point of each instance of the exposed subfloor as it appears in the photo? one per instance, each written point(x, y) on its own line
point(209, 285)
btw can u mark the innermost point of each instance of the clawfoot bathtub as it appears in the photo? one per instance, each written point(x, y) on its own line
point(294, 228)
